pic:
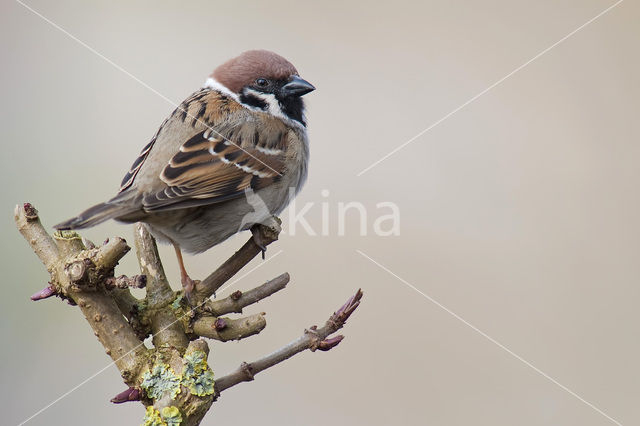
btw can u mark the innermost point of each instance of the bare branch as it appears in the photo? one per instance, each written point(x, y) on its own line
point(208, 286)
point(314, 338)
point(166, 330)
point(28, 222)
point(123, 282)
point(239, 300)
point(130, 308)
point(69, 243)
point(115, 334)
point(110, 253)
point(173, 378)
point(88, 267)
point(100, 310)
point(125, 300)
point(225, 329)
point(158, 288)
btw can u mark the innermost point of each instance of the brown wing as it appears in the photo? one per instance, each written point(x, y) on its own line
point(212, 167)
point(201, 109)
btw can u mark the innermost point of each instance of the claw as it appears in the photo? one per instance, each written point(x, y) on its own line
point(255, 231)
point(188, 285)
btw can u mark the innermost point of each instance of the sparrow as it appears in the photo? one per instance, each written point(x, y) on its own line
point(241, 138)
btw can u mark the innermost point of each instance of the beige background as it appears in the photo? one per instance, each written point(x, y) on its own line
point(519, 213)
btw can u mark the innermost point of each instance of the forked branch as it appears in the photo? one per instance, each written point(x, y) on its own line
point(313, 338)
point(172, 379)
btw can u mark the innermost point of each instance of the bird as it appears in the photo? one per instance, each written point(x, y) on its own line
point(242, 135)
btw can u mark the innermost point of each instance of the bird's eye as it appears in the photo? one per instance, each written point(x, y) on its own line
point(262, 82)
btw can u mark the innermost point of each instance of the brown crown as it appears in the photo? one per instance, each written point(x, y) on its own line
point(243, 70)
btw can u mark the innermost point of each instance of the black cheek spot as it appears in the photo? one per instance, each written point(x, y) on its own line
point(253, 101)
point(293, 107)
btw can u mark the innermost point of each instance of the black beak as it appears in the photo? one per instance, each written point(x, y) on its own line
point(297, 87)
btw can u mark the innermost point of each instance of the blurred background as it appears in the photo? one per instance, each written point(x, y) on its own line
point(519, 213)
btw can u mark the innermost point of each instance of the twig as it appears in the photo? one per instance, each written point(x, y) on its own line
point(225, 329)
point(28, 223)
point(166, 330)
point(239, 300)
point(158, 288)
point(173, 378)
point(100, 310)
point(314, 338)
point(123, 282)
point(208, 286)
point(108, 256)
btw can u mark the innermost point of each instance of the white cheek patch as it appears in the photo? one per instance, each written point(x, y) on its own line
point(273, 106)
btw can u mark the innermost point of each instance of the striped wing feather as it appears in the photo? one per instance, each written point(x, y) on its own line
point(210, 168)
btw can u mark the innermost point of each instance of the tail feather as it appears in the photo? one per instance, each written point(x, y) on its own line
point(96, 215)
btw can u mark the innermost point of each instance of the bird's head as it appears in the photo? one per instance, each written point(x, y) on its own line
point(265, 81)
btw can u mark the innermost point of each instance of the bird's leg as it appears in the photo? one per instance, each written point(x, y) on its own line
point(255, 231)
point(187, 283)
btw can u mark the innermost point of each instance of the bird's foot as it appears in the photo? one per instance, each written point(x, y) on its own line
point(189, 286)
point(257, 238)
